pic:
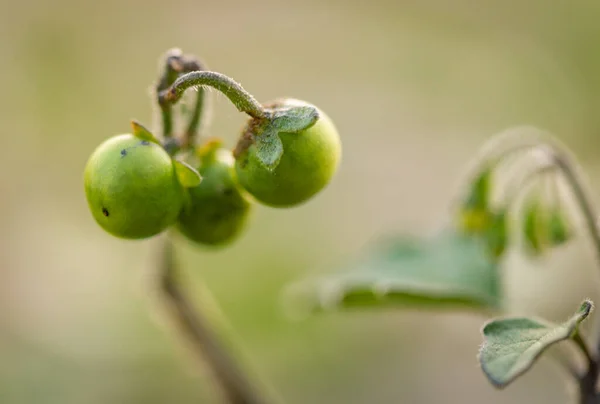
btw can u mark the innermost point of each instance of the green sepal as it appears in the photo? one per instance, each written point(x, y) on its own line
point(141, 132)
point(294, 119)
point(269, 147)
point(188, 176)
point(512, 345)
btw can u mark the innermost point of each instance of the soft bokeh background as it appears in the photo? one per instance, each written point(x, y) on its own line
point(415, 86)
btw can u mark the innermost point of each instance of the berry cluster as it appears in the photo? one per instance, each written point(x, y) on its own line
point(137, 185)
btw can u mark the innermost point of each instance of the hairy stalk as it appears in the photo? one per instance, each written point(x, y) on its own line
point(242, 99)
point(200, 331)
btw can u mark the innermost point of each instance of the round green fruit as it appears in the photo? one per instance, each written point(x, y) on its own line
point(219, 208)
point(132, 188)
point(310, 159)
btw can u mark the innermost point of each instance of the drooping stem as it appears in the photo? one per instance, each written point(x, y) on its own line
point(580, 195)
point(242, 99)
point(526, 180)
point(197, 326)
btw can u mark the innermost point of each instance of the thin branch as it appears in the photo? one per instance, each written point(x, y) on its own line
point(173, 64)
point(197, 328)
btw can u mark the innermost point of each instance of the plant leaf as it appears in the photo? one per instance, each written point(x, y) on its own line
point(269, 148)
point(512, 345)
point(188, 176)
point(141, 132)
point(294, 119)
point(450, 269)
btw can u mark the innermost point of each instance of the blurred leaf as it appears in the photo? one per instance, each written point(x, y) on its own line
point(479, 194)
point(512, 345)
point(294, 119)
point(475, 214)
point(449, 269)
point(533, 226)
point(142, 133)
point(187, 175)
point(558, 227)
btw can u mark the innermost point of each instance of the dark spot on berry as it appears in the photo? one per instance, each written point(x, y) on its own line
point(123, 153)
point(228, 191)
point(144, 143)
point(105, 212)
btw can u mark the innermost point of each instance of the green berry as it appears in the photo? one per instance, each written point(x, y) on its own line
point(310, 159)
point(132, 188)
point(219, 208)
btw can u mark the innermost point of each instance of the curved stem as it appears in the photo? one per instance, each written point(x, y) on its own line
point(526, 180)
point(581, 196)
point(242, 99)
point(496, 151)
point(197, 327)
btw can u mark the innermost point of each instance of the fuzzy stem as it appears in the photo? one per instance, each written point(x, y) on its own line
point(242, 100)
point(197, 327)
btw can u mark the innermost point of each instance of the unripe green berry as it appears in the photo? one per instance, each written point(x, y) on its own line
point(219, 208)
point(310, 159)
point(132, 188)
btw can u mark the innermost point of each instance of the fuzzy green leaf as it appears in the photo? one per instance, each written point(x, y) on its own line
point(187, 175)
point(269, 148)
point(141, 132)
point(512, 345)
point(449, 269)
point(294, 119)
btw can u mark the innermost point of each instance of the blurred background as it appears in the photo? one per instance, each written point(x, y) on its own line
point(415, 87)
